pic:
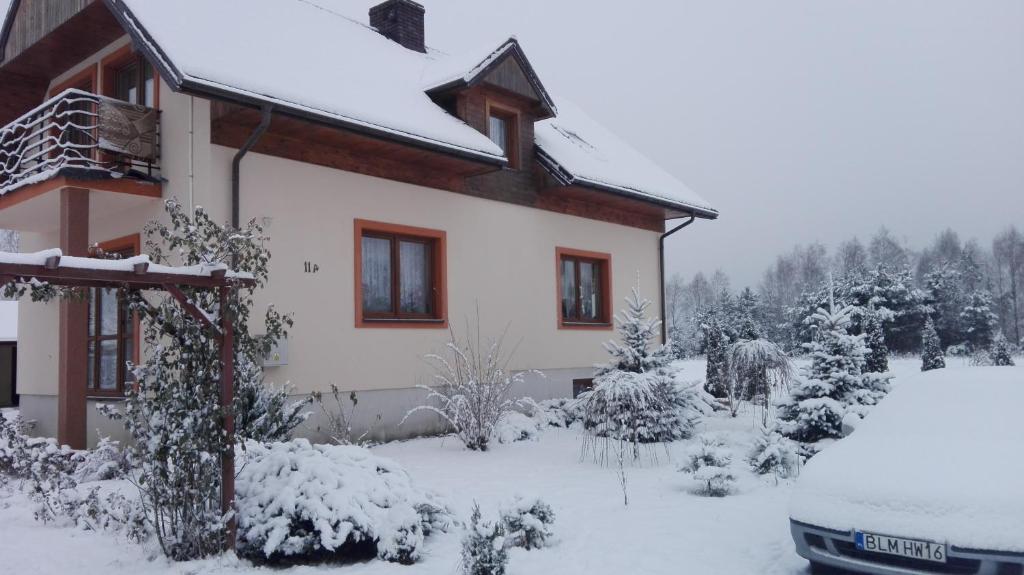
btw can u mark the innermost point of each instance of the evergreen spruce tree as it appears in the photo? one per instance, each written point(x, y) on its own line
point(716, 348)
point(877, 360)
point(931, 350)
point(978, 320)
point(635, 397)
point(834, 384)
point(1000, 353)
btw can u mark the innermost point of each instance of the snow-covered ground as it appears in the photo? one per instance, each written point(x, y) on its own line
point(665, 528)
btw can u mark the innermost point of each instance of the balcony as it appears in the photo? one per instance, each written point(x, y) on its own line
point(80, 135)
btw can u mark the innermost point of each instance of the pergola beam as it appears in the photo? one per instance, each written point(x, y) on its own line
point(139, 278)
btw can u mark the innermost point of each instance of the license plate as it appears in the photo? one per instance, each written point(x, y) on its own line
point(925, 550)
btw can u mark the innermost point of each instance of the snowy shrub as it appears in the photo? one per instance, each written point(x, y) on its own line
point(775, 454)
point(635, 398)
point(709, 463)
point(515, 426)
point(173, 412)
point(483, 548)
point(49, 474)
point(559, 412)
point(340, 418)
point(1000, 354)
point(106, 461)
point(527, 523)
point(757, 369)
point(300, 502)
point(472, 386)
point(931, 350)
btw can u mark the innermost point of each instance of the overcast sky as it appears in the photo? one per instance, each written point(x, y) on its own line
point(800, 120)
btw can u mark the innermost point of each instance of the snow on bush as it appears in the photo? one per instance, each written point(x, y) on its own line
point(514, 426)
point(757, 370)
point(775, 454)
point(527, 523)
point(107, 461)
point(709, 464)
point(558, 412)
point(931, 350)
point(298, 501)
point(483, 547)
point(472, 388)
point(49, 474)
point(1000, 353)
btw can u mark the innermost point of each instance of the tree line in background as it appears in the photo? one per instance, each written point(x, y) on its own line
point(973, 294)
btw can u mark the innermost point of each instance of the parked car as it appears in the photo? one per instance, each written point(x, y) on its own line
point(931, 482)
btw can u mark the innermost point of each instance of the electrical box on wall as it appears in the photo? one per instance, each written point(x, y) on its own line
point(278, 354)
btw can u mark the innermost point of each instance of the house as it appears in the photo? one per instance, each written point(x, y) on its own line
point(402, 189)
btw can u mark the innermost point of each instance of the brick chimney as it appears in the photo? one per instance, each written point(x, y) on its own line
point(401, 21)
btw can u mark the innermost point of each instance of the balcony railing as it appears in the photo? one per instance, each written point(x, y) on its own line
point(76, 132)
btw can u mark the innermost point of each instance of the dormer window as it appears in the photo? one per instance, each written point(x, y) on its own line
point(502, 129)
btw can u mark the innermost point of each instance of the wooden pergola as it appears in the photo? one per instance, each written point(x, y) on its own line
point(138, 273)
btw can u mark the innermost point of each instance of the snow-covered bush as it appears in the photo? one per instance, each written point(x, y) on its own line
point(340, 417)
point(515, 426)
point(931, 350)
point(757, 369)
point(775, 454)
point(473, 385)
point(106, 461)
point(559, 412)
point(50, 473)
point(173, 412)
point(1000, 353)
point(709, 463)
point(483, 548)
point(300, 502)
point(527, 523)
point(635, 398)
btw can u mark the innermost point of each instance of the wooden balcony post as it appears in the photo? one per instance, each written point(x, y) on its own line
point(74, 324)
point(227, 382)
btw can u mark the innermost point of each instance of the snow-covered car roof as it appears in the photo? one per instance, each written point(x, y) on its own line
point(308, 57)
point(941, 459)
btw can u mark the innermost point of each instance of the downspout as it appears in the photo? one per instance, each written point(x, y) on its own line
point(661, 272)
point(236, 163)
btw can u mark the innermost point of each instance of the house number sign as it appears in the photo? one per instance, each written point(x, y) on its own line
point(311, 268)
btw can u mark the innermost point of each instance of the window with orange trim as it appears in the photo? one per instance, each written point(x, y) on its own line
point(584, 288)
point(113, 338)
point(400, 275)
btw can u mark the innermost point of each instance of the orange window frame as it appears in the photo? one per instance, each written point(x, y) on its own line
point(437, 239)
point(605, 261)
point(130, 243)
point(511, 118)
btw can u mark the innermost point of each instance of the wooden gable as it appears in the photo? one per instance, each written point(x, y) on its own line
point(508, 74)
point(34, 19)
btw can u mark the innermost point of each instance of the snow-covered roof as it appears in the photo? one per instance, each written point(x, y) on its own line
point(297, 54)
point(8, 319)
point(308, 58)
point(578, 150)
